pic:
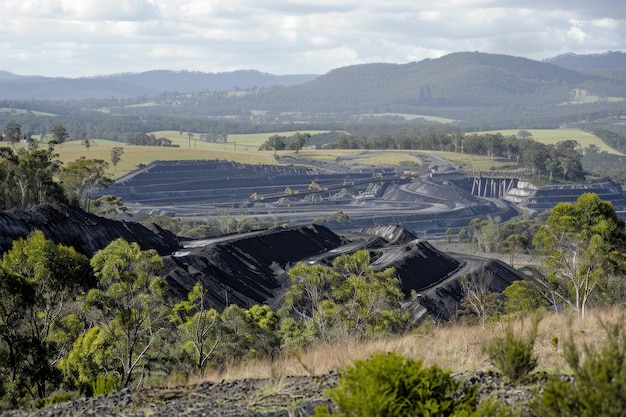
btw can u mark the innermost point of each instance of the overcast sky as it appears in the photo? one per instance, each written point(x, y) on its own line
point(76, 38)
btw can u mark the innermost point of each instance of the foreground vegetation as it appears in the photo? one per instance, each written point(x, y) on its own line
point(455, 346)
point(77, 326)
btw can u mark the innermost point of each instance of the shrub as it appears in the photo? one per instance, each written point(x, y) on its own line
point(56, 398)
point(105, 384)
point(513, 355)
point(393, 385)
point(599, 380)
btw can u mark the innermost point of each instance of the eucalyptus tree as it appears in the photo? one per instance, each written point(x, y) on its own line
point(116, 156)
point(299, 140)
point(12, 132)
point(27, 177)
point(583, 246)
point(131, 302)
point(59, 134)
point(82, 177)
point(44, 279)
point(16, 295)
point(275, 143)
point(346, 300)
point(198, 326)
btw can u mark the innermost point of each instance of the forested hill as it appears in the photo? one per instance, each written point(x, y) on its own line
point(465, 79)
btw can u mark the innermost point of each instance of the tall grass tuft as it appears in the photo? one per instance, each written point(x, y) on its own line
point(513, 354)
point(598, 380)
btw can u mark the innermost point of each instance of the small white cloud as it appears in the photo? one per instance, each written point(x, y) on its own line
point(575, 31)
point(606, 23)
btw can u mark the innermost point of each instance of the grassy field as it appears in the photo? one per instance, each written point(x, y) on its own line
point(454, 347)
point(407, 116)
point(392, 158)
point(579, 96)
point(21, 111)
point(239, 148)
point(243, 149)
point(133, 156)
point(252, 141)
point(553, 136)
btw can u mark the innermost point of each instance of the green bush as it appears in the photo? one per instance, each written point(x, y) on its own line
point(105, 384)
point(513, 355)
point(393, 385)
point(599, 380)
point(59, 397)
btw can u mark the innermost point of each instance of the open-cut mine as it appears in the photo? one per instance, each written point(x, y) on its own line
point(388, 212)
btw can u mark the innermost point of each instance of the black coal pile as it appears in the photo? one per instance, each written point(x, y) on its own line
point(247, 269)
point(86, 232)
point(251, 269)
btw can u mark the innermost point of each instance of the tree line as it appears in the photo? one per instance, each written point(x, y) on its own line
point(562, 161)
point(548, 161)
point(32, 175)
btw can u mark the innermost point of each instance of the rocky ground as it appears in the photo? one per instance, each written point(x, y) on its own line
point(284, 396)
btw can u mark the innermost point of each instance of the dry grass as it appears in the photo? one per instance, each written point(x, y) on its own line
point(454, 347)
point(133, 156)
point(244, 150)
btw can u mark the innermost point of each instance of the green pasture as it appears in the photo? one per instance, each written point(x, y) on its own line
point(136, 156)
point(478, 162)
point(389, 158)
point(402, 159)
point(407, 116)
point(243, 149)
point(20, 111)
point(553, 136)
point(580, 96)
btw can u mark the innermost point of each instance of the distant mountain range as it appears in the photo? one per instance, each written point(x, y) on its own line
point(150, 83)
point(610, 64)
point(468, 86)
point(607, 60)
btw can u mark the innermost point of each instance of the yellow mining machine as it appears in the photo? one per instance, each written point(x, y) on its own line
point(316, 187)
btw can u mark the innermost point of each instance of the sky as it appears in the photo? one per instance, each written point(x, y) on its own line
point(83, 38)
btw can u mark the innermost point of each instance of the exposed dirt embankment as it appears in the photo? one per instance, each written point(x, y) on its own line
point(86, 232)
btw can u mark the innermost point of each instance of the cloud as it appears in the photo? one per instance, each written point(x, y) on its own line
point(576, 31)
point(110, 9)
point(87, 37)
